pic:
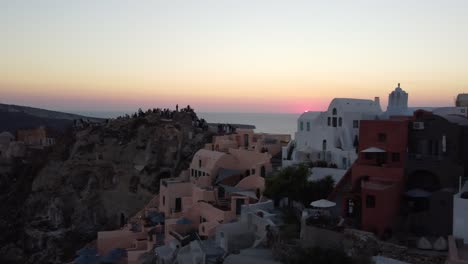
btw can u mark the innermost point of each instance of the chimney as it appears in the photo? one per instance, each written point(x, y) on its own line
point(377, 100)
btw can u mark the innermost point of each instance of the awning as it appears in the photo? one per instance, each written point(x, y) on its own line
point(230, 189)
point(418, 193)
point(322, 203)
point(184, 221)
point(373, 150)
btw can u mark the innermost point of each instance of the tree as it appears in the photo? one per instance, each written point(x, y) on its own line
point(140, 113)
point(292, 182)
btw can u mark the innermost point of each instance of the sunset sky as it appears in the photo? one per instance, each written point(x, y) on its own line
point(229, 56)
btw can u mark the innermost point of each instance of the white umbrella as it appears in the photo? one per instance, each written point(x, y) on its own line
point(418, 193)
point(373, 150)
point(322, 203)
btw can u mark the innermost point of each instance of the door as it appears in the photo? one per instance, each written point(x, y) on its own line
point(178, 205)
point(239, 203)
point(246, 140)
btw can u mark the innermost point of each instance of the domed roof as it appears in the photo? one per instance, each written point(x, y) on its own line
point(398, 89)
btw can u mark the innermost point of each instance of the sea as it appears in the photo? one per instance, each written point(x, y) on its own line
point(275, 123)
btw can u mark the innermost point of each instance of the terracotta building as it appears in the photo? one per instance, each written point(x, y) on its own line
point(406, 174)
point(370, 192)
point(222, 178)
point(36, 137)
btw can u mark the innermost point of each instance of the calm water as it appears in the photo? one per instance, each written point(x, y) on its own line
point(264, 122)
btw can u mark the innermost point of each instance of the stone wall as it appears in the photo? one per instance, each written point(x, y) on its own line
point(358, 243)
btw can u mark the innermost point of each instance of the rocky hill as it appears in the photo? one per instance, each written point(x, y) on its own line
point(56, 202)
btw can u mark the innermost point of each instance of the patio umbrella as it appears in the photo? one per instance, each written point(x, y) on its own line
point(322, 203)
point(418, 193)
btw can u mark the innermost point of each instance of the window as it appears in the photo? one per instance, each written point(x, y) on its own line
point(395, 157)
point(204, 173)
point(199, 173)
point(368, 156)
point(199, 163)
point(178, 205)
point(308, 126)
point(340, 121)
point(263, 171)
point(334, 121)
point(355, 123)
point(382, 137)
point(253, 171)
point(324, 145)
point(370, 201)
point(164, 200)
point(329, 121)
point(301, 126)
point(247, 172)
point(334, 111)
point(192, 172)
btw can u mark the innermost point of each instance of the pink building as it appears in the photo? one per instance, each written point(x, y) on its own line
point(226, 174)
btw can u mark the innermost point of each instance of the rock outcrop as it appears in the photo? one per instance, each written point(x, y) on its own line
point(361, 243)
point(95, 180)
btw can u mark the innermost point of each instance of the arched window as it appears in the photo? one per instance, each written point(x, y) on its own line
point(334, 111)
point(324, 145)
point(340, 121)
point(263, 171)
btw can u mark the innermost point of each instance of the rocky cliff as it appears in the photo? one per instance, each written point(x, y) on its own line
point(92, 180)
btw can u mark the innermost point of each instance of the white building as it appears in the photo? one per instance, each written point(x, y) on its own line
point(252, 230)
point(462, 100)
point(460, 214)
point(332, 135)
point(397, 102)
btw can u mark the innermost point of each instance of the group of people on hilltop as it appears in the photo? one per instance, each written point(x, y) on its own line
point(200, 123)
point(167, 113)
point(162, 112)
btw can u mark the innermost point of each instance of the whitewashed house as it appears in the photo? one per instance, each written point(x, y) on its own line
point(332, 135)
point(460, 214)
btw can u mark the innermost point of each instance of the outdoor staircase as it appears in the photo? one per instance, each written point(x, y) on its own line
point(224, 203)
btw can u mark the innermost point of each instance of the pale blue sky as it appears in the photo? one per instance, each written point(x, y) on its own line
point(200, 51)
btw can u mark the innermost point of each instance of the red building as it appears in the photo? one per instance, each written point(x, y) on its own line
point(371, 191)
